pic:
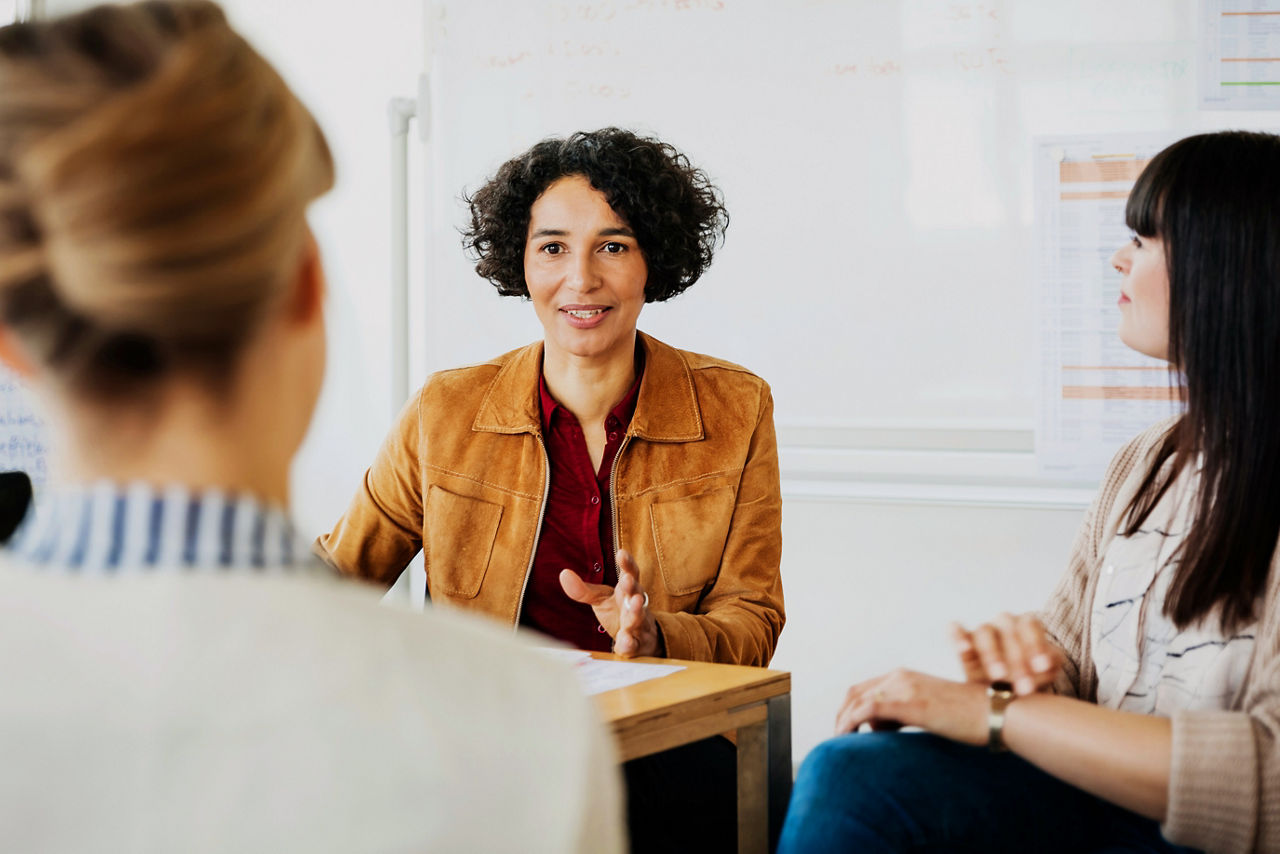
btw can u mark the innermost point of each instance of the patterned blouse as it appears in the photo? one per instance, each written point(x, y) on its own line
point(1144, 663)
point(107, 528)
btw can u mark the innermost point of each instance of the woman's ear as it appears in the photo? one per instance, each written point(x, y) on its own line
point(14, 356)
point(307, 297)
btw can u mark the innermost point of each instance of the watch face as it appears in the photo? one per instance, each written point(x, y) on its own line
point(1000, 687)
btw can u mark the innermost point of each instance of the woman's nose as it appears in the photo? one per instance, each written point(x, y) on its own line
point(582, 275)
point(1120, 260)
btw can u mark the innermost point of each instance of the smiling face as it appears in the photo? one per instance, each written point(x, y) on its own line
point(585, 273)
point(1144, 296)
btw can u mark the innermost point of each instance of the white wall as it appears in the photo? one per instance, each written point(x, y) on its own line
point(346, 60)
point(872, 586)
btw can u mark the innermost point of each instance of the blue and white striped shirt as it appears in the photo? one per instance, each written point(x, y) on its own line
point(107, 527)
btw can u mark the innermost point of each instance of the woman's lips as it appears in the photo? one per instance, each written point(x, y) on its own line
point(584, 316)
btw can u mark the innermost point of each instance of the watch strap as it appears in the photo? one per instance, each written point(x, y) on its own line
point(999, 695)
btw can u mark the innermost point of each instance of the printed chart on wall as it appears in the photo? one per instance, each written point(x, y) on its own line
point(22, 440)
point(1240, 54)
point(1095, 393)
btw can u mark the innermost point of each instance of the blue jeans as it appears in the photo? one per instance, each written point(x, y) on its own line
point(897, 792)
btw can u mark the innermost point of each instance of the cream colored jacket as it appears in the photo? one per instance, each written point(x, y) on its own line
point(1224, 784)
point(178, 712)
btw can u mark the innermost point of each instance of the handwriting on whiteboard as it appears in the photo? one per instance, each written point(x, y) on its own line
point(565, 49)
point(991, 59)
point(963, 36)
point(874, 67)
point(960, 12)
point(22, 443)
point(606, 10)
point(577, 89)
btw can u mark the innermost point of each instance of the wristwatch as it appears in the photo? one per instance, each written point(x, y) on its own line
point(999, 694)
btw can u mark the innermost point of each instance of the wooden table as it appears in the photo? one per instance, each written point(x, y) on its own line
point(716, 699)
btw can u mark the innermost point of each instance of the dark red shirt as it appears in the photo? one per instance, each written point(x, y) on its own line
point(577, 528)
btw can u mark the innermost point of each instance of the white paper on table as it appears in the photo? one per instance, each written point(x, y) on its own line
point(569, 656)
point(1239, 54)
point(600, 676)
point(1095, 393)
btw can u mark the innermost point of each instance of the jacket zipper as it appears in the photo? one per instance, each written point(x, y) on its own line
point(537, 533)
point(542, 513)
point(613, 500)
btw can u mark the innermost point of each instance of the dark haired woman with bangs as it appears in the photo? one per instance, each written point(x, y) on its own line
point(598, 486)
point(1140, 710)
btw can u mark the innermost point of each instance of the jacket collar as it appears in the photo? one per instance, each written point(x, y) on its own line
point(666, 411)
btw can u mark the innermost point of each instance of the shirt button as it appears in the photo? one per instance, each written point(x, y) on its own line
point(600, 629)
point(1110, 568)
point(595, 499)
point(595, 567)
point(613, 437)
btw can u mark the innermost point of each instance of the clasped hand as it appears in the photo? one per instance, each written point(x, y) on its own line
point(1012, 648)
point(622, 610)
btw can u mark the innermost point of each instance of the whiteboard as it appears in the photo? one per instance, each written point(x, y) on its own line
point(23, 435)
point(876, 159)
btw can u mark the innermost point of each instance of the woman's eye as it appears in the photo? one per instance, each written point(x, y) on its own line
point(553, 249)
point(613, 248)
point(1137, 241)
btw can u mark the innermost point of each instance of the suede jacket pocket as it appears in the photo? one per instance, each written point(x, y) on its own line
point(690, 533)
point(460, 532)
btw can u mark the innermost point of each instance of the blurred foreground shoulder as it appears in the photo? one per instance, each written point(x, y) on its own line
point(249, 713)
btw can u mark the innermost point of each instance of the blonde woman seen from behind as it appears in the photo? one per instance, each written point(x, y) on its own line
point(180, 673)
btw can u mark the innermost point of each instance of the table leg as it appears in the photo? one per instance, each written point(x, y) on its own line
point(753, 788)
point(779, 763)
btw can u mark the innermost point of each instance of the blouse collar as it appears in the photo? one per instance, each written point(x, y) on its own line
point(106, 528)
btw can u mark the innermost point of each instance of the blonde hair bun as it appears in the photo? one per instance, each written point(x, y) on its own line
point(156, 173)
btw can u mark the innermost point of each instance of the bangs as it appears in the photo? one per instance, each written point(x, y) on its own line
point(1143, 212)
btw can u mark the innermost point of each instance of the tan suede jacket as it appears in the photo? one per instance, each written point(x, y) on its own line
point(464, 476)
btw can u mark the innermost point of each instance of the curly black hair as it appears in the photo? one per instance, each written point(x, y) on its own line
point(677, 214)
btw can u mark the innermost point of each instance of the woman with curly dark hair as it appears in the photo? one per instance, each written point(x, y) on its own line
point(598, 486)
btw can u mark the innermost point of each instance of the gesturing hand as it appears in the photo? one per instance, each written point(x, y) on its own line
point(623, 610)
point(1012, 648)
point(955, 710)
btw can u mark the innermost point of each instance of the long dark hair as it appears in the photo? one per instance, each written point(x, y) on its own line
point(1214, 201)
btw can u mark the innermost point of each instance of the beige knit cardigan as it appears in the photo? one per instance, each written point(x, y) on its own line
point(1224, 784)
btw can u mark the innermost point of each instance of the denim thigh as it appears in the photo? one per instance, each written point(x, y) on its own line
point(916, 792)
